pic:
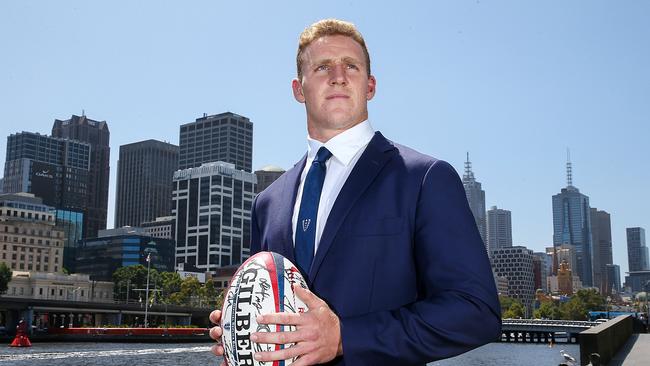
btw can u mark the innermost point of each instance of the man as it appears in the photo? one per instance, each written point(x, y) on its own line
point(397, 269)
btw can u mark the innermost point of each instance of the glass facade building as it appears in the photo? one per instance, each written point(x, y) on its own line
point(224, 137)
point(100, 257)
point(601, 237)
point(95, 133)
point(637, 251)
point(476, 199)
point(499, 233)
point(72, 224)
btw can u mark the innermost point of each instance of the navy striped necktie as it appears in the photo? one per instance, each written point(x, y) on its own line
point(305, 240)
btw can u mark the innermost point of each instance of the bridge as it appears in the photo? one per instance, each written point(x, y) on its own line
point(542, 330)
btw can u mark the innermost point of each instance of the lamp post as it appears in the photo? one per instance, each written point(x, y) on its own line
point(609, 299)
point(146, 296)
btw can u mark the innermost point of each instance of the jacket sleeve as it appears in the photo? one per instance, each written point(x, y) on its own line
point(457, 307)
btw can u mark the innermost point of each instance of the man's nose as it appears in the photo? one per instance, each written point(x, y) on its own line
point(338, 74)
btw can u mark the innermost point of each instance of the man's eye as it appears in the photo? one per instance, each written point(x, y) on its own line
point(322, 68)
point(353, 67)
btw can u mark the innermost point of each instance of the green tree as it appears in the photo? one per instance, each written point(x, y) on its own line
point(547, 310)
point(511, 308)
point(573, 309)
point(591, 299)
point(131, 278)
point(5, 277)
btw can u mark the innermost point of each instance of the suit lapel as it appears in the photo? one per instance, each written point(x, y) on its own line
point(378, 152)
point(284, 214)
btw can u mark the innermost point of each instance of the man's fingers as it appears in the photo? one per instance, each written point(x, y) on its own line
point(283, 354)
point(277, 337)
point(279, 318)
point(215, 316)
point(215, 333)
point(312, 301)
point(217, 349)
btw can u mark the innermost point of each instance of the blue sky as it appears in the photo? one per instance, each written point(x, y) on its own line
point(515, 83)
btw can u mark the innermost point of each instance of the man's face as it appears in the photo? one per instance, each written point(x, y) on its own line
point(335, 86)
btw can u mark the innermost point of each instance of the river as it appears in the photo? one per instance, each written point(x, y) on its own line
point(195, 354)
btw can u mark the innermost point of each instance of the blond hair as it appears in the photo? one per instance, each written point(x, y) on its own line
point(329, 27)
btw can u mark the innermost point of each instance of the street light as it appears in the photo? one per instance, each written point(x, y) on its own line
point(146, 296)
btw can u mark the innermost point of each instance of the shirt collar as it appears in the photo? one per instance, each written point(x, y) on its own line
point(345, 145)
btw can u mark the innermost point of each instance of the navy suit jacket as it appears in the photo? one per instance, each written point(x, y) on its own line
point(400, 260)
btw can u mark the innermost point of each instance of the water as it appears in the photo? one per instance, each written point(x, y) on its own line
point(195, 354)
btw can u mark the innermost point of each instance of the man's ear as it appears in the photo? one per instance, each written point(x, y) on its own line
point(372, 86)
point(296, 85)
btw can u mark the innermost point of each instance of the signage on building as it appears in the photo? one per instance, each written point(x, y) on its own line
point(198, 275)
point(42, 181)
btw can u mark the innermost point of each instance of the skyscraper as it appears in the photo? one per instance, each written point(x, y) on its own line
point(601, 234)
point(226, 137)
point(54, 169)
point(97, 135)
point(572, 226)
point(476, 199)
point(213, 215)
point(144, 182)
point(613, 279)
point(516, 264)
point(499, 233)
point(637, 252)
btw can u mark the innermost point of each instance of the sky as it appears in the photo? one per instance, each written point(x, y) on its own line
point(514, 83)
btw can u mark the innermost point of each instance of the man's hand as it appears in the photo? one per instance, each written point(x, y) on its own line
point(317, 336)
point(215, 333)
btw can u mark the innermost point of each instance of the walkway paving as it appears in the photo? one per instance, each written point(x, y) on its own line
point(636, 352)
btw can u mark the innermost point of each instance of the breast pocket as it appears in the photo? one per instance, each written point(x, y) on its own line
point(379, 227)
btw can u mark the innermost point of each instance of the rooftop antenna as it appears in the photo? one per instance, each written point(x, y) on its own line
point(83, 113)
point(569, 172)
point(469, 175)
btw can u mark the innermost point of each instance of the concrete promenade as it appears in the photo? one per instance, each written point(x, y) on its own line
point(635, 352)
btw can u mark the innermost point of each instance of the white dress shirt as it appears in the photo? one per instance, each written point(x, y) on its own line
point(346, 149)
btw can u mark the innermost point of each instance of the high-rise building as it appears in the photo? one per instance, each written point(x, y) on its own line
point(30, 241)
point(612, 279)
point(499, 233)
point(266, 176)
point(516, 264)
point(572, 226)
point(637, 252)
point(144, 182)
point(601, 238)
point(213, 215)
point(540, 270)
point(226, 137)
point(476, 199)
point(54, 169)
point(97, 135)
point(71, 222)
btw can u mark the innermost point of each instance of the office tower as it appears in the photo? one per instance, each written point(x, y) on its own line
point(266, 176)
point(144, 182)
point(30, 241)
point(499, 233)
point(122, 247)
point(476, 199)
point(601, 239)
point(516, 264)
point(54, 169)
point(213, 215)
point(612, 279)
point(97, 135)
point(162, 227)
point(540, 270)
point(226, 137)
point(572, 226)
point(637, 252)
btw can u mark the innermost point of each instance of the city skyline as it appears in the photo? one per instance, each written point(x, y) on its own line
point(500, 81)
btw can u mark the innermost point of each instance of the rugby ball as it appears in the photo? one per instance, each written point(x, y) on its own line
point(261, 285)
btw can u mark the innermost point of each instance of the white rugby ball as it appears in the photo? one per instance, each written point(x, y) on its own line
point(261, 285)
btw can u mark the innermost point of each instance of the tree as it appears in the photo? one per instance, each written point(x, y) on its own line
point(547, 310)
point(591, 299)
point(5, 277)
point(573, 309)
point(511, 308)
